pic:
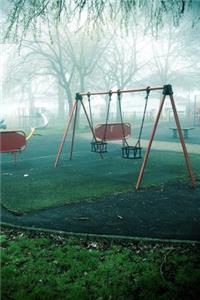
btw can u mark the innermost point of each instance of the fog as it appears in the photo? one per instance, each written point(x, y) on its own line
point(44, 72)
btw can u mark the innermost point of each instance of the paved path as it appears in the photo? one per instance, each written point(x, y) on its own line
point(171, 213)
point(159, 145)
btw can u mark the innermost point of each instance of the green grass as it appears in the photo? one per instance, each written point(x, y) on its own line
point(51, 266)
point(35, 184)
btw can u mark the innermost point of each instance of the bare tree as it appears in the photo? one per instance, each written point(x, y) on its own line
point(50, 62)
point(120, 64)
point(174, 57)
point(71, 60)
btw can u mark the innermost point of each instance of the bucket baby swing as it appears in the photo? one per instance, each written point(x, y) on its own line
point(103, 133)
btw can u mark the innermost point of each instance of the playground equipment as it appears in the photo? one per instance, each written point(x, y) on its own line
point(42, 126)
point(116, 131)
point(44, 123)
point(166, 91)
point(185, 132)
point(37, 119)
point(13, 142)
point(16, 141)
point(134, 151)
point(109, 132)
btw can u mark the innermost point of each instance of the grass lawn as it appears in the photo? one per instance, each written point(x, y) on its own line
point(35, 184)
point(49, 266)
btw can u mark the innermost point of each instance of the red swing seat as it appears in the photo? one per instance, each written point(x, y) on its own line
point(112, 131)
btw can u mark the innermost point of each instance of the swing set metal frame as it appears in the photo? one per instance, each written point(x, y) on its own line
point(166, 91)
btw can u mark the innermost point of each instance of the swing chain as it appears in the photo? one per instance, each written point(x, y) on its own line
point(144, 114)
point(100, 146)
point(121, 117)
point(107, 115)
point(90, 109)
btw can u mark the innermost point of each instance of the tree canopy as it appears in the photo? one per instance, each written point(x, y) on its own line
point(25, 15)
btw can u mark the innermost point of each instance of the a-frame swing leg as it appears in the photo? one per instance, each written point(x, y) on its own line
point(150, 143)
point(187, 159)
point(74, 109)
point(73, 132)
point(167, 90)
point(65, 134)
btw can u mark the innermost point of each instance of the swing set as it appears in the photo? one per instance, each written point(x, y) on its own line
point(102, 133)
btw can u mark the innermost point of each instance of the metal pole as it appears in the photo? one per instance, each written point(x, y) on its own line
point(73, 133)
point(124, 91)
point(65, 135)
point(187, 160)
point(150, 143)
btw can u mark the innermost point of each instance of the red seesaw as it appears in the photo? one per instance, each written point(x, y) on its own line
point(13, 142)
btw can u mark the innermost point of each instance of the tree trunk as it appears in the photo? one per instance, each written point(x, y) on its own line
point(117, 112)
point(82, 89)
point(118, 118)
point(68, 98)
point(31, 104)
point(32, 120)
point(61, 102)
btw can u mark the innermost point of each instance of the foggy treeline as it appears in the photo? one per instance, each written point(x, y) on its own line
point(51, 67)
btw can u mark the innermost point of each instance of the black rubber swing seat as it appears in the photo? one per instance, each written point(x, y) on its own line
point(99, 147)
point(132, 152)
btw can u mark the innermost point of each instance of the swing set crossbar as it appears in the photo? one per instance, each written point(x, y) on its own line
point(159, 88)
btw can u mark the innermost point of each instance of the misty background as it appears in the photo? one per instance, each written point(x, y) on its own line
point(44, 71)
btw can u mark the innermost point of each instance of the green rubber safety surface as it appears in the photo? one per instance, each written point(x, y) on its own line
point(35, 184)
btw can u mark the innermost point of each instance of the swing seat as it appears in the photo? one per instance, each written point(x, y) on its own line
point(131, 152)
point(99, 147)
point(112, 131)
